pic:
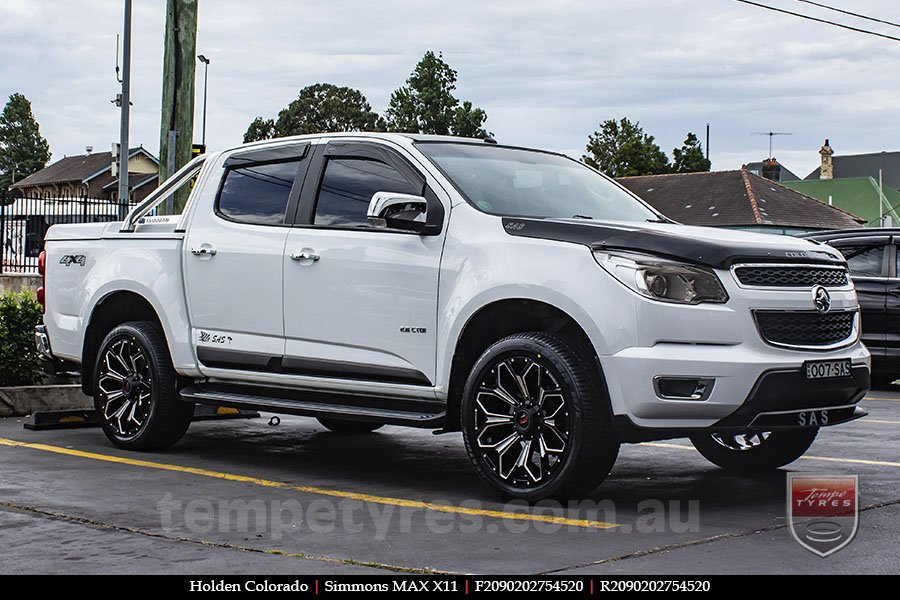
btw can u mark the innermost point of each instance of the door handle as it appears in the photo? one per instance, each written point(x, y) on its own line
point(203, 251)
point(305, 255)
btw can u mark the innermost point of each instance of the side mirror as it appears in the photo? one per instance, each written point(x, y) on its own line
point(390, 210)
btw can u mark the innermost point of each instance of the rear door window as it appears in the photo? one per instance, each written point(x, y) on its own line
point(257, 193)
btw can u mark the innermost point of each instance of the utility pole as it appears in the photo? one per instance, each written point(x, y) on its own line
point(177, 125)
point(124, 101)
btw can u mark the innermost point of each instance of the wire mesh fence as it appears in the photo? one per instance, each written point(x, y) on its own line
point(25, 219)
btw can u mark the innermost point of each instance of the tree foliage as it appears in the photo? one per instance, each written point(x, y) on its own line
point(319, 108)
point(23, 150)
point(622, 149)
point(689, 158)
point(260, 129)
point(426, 103)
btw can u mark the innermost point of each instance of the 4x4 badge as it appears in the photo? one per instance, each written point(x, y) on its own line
point(821, 299)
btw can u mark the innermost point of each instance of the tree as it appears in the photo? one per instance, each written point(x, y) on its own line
point(426, 103)
point(689, 158)
point(260, 129)
point(23, 150)
point(622, 149)
point(319, 108)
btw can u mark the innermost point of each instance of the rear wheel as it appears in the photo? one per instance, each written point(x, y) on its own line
point(756, 451)
point(135, 389)
point(535, 419)
point(348, 427)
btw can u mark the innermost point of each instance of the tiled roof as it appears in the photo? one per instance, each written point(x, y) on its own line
point(735, 199)
point(73, 168)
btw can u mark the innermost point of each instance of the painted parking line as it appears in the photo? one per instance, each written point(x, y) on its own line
point(852, 461)
point(308, 489)
point(871, 399)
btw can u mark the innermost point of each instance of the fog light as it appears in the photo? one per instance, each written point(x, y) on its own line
point(683, 388)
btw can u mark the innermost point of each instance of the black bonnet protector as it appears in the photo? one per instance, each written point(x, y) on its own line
point(720, 254)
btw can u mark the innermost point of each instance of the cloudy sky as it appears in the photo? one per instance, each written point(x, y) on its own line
point(546, 71)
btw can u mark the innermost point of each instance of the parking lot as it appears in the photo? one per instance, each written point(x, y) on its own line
point(242, 496)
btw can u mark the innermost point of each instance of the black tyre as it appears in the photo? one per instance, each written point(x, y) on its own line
point(749, 452)
point(535, 419)
point(135, 389)
point(344, 426)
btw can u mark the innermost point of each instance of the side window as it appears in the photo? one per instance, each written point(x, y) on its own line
point(864, 261)
point(257, 194)
point(348, 185)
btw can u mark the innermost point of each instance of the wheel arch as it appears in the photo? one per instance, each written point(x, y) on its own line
point(496, 320)
point(111, 310)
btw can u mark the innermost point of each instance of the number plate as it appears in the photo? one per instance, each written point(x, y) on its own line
point(828, 369)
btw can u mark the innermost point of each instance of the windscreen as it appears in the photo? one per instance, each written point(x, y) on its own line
point(527, 183)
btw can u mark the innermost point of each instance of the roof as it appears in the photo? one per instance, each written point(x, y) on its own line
point(866, 165)
point(786, 174)
point(735, 199)
point(81, 168)
point(135, 180)
point(856, 195)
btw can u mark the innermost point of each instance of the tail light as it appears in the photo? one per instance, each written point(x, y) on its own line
point(42, 269)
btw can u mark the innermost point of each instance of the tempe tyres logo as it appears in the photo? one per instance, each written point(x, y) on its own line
point(823, 512)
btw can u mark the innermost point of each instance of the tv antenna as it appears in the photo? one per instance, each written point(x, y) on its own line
point(771, 134)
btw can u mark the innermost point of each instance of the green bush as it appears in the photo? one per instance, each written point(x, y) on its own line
point(19, 360)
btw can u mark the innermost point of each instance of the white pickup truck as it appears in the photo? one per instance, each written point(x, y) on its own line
point(513, 294)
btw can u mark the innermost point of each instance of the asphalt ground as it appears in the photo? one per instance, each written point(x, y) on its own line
point(245, 497)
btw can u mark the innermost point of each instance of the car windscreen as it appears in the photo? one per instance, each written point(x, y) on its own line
point(526, 183)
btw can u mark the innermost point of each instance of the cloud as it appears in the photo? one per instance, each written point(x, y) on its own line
point(547, 72)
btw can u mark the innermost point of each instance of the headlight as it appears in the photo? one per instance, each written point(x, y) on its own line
point(662, 279)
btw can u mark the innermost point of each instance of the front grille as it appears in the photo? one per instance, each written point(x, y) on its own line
point(805, 329)
point(799, 276)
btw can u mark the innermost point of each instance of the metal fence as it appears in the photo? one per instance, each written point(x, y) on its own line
point(25, 219)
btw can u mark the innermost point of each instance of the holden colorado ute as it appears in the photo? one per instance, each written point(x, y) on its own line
point(513, 294)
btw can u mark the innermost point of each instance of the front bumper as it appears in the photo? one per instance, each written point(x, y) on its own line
point(772, 378)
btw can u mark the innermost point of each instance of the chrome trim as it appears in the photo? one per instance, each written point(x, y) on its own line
point(42, 342)
point(706, 382)
point(734, 276)
point(848, 341)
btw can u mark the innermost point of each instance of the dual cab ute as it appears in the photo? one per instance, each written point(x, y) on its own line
point(513, 294)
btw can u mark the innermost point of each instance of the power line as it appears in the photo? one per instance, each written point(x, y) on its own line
point(852, 14)
point(818, 20)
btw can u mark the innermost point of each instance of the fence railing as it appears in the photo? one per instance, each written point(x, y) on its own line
point(25, 219)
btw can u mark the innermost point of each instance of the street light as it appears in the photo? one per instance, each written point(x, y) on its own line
point(205, 62)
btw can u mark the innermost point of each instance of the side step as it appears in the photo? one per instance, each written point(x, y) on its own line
point(392, 411)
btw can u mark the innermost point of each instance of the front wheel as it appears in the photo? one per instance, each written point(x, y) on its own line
point(535, 419)
point(135, 389)
point(756, 451)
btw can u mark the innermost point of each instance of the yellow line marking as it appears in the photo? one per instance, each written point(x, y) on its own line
point(308, 489)
point(854, 461)
point(868, 399)
point(881, 421)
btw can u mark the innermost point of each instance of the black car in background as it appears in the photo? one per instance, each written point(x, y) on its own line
point(872, 257)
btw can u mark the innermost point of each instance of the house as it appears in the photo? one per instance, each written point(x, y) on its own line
point(90, 175)
point(859, 196)
point(737, 200)
point(858, 165)
point(771, 169)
